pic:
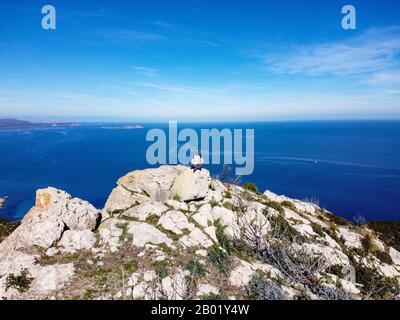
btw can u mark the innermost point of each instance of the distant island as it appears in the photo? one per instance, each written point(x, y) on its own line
point(21, 124)
point(2, 202)
point(125, 127)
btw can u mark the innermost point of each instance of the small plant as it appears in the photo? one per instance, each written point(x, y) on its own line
point(177, 197)
point(89, 294)
point(121, 225)
point(220, 258)
point(290, 205)
point(318, 229)
point(228, 205)
point(367, 244)
point(228, 194)
point(130, 266)
point(223, 239)
point(21, 283)
point(251, 187)
point(330, 293)
point(196, 268)
point(213, 203)
point(212, 296)
point(383, 256)
point(262, 288)
point(374, 285)
point(276, 205)
point(339, 220)
point(161, 268)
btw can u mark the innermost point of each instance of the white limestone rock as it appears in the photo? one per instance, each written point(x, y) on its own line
point(145, 210)
point(189, 185)
point(352, 239)
point(203, 216)
point(144, 233)
point(177, 205)
point(73, 240)
point(196, 238)
point(175, 221)
point(121, 200)
point(49, 279)
point(205, 288)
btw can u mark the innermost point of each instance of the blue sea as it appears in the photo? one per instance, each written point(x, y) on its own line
point(351, 167)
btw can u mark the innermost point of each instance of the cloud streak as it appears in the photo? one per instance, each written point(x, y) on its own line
point(373, 51)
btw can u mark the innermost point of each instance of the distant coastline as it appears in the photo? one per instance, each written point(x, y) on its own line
point(15, 124)
point(127, 127)
point(2, 202)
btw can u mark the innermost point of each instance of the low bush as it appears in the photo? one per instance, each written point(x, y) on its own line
point(262, 288)
point(220, 258)
point(21, 282)
point(277, 206)
point(196, 268)
point(251, 187)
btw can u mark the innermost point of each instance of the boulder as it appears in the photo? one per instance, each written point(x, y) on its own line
point(168, 182)
point(75, 213)
point(121, 200)
point(203, 216)
point(190, 185)
point(156, 183)
point(48, 279)
point(143, 233)
point(73, 240)
point(145, 210)
point(196, 238)
point(175, 221)
point(205, 288)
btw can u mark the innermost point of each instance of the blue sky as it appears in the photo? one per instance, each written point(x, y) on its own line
point(200, 60)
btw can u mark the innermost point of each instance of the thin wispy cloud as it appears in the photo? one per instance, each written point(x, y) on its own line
point(373, 51)
point(129, 36)
point(145, 71)
point(385, 78)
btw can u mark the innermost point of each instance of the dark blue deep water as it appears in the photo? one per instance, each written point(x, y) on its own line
point(351, 167)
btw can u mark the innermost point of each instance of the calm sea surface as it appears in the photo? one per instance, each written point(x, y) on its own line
point(351, 167)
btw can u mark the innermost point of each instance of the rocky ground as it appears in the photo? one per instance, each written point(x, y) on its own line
point(169, 233)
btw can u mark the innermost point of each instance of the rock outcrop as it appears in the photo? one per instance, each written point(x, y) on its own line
point(171, 233)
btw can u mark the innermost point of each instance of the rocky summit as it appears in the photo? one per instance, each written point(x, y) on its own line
point(171, 233)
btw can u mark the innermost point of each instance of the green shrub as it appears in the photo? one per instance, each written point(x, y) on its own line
point(213, 203)
point(389, 232)
point(383, 256)
point(376, 285)
point(339, 220)
point(262, 288)
point(6, 228)
point(228, 194)
point(290, 205)
point(130, 266)
point(220, 258)
point(251, 187)
point(177, 197)
point(367, 244)
point(228, 206)
point(196, 268)
point(21, 282)
point(161, 268)
point(318, 229)
point(223, 239)
point(212, 296)
point(283, 228)
point(276, 205)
